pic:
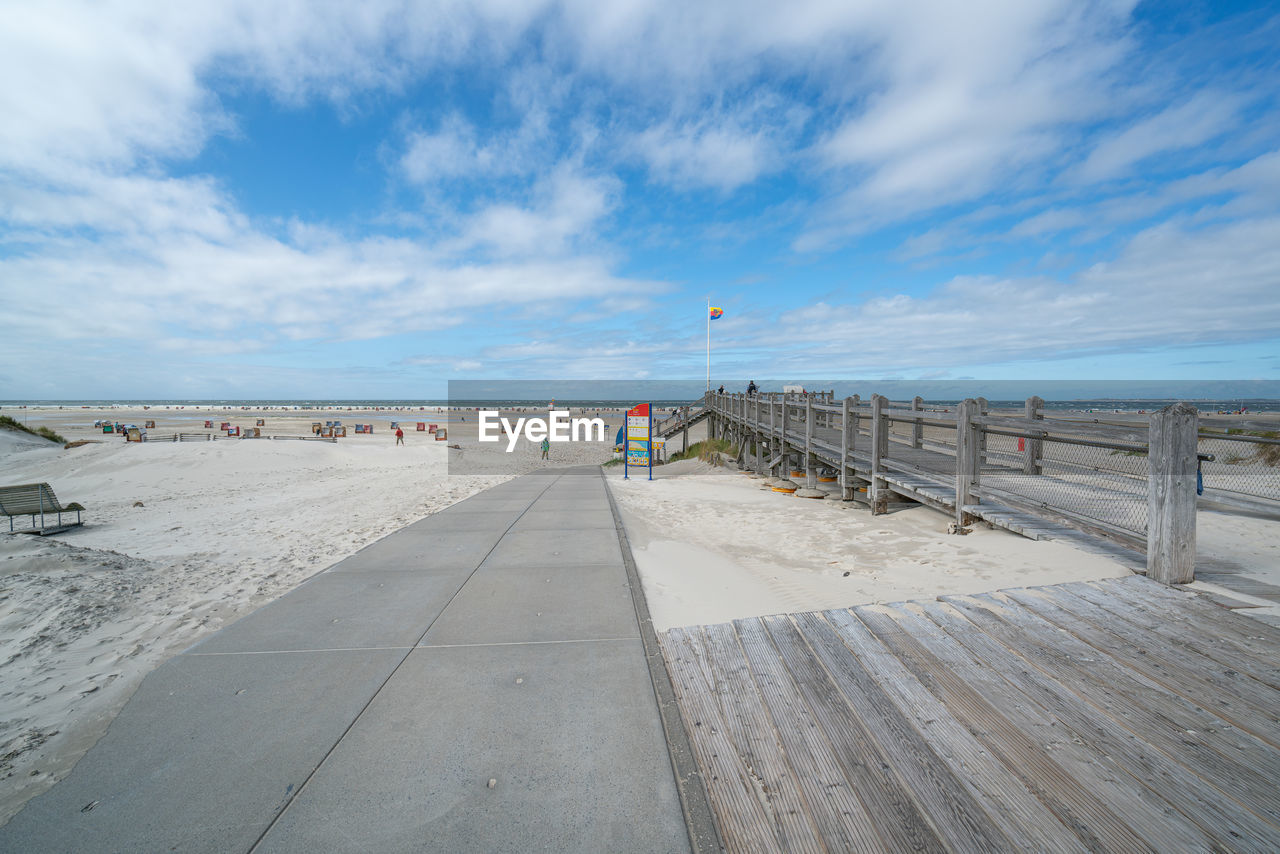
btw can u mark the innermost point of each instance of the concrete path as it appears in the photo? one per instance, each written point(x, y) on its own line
point(368, 709)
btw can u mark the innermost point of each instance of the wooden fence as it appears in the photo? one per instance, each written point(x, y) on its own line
point(1132, 483)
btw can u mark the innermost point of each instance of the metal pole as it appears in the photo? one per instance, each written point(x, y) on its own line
point(708, 343)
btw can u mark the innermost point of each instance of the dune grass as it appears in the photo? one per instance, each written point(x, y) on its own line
point(42, 432)
point(708, 450)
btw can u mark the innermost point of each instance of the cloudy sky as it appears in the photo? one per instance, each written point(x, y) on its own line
point(283, 199)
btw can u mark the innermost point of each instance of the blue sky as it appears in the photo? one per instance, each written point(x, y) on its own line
point(287, 199)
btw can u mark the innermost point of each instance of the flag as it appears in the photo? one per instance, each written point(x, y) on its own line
point(716, 312)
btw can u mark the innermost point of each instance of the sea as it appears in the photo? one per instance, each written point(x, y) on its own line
point(1101, 405)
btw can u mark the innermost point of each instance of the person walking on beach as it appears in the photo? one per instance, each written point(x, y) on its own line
point(546, 448)
point(399, 436)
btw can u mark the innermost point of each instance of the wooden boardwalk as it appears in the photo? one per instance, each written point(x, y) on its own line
point(1117, 715)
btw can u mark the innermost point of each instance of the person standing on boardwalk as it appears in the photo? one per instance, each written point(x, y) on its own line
point(399, 436)
point(546, 448)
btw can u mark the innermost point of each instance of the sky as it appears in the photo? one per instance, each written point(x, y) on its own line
point(281, 200)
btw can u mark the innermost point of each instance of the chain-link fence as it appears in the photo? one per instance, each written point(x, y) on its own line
point(1101, 484)
point(1245, 469)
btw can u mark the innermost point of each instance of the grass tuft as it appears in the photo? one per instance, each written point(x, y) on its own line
point(42, 432)
point(708, 450)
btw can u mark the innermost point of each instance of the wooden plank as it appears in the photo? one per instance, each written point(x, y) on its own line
point(1092, 820)
point(956, 815)
point(840, 817)
point(1217, 815)
point(1234, 762)
point(741, 818)
point(1183, 625)
point(1200, 680)
point(896, 815)
point(1241, 583)
point(1028, 824)
point(752, 734)
point(1247, 644)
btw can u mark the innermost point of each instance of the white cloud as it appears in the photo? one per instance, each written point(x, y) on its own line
point(1171, 285)
point(1203, 117)
point(700, 154)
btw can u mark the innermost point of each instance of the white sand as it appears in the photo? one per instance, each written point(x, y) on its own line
point(224, 527)
point(712, 545)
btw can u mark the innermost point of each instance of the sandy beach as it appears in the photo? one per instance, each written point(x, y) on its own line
point(181, 538)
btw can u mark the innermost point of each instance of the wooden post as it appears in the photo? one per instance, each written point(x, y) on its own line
point(879, 450)
point(967, 457)
point(983, 408)
point(846, 451)
point(1033, 449)
point(1171, 495)
point(810, 476)
point(917, 429)
point(684, 432)
point(782, 445)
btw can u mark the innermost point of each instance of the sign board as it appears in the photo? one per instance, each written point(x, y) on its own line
point(639, 447)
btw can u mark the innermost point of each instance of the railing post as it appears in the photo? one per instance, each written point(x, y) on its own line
point(757, 438)
point(685, 431)
point(846, 451)
point(782, 443)
point(917, 428)
point(1033, 449)
point(967, 457)
point(810, 476)
point(983, 409)
point(879, 450)
point(1171, 495)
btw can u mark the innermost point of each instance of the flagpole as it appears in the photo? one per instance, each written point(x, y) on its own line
point(708, 343)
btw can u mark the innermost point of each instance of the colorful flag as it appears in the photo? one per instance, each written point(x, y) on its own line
point(716, 313)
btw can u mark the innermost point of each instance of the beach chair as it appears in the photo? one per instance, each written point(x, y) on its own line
point(150, 425)
point(208, 424)
point(36, 499)
point(262, 422)
point(422, 426)
point(442, 435)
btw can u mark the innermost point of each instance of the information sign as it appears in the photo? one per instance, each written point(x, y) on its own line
point(639, 448)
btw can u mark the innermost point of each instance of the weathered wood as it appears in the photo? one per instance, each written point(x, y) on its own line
point(1083, 751)
point(879, 450)
point(1230, 695)
point(1219, 815)
point(1033, 449)
point(1022, 818)
point(1193, 737)
point(895, 812)
point(752, 734)
point(917, 426)
point(840, 817)
point(1171, 495)
point(967, 459)
point(810, 474)
point(955, 814)
point(734, 795)
point(847, 434)
point(1078, 808)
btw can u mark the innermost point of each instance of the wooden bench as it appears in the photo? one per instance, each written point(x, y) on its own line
point(36, 499)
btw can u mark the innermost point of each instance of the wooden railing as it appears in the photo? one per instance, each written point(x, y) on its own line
point(1133, 483)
